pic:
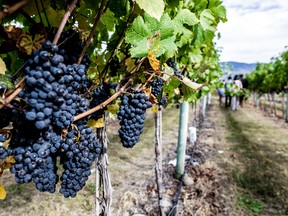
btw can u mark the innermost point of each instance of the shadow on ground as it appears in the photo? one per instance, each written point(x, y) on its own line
point(261, 173)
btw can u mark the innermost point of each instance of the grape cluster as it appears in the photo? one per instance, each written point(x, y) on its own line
point(53, 89)
point(77, 159)
point(43, 131)
point(74, 80)
point(35, 155)
point(132, 116)
point(100, 94)
point(157, 86)
point(173, 65)
point(4, 152)
point(71, 48)
point(114, 66)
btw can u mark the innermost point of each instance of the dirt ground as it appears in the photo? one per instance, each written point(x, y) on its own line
point(239, 168)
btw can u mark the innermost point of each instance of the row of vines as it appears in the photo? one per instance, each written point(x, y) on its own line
point(66, 67)
point(270, 81)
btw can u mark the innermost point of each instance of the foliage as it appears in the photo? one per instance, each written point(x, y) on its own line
point(270, 77)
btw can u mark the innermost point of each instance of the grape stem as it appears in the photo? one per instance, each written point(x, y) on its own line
point(147, 81)
point(102, 105)
point(109, 100)
point(101, 10)
point(13, 8)
point(20, 82)
point(13, 95)
point(66, 16)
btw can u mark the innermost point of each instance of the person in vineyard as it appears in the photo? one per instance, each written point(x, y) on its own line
point(221, 92)
point(237, 89)
point(228, 88)
point(244, 82)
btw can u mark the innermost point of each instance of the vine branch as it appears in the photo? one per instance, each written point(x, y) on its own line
point(13, 95)
point(71, 7)
point(13, 8)
point(91, 35)
point(102, 105)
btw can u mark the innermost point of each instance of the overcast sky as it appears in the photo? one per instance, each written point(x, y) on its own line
point(256, 30)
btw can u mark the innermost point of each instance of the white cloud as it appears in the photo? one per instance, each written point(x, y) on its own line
point(256, 30)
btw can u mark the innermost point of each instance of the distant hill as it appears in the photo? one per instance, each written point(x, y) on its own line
point(232, 68)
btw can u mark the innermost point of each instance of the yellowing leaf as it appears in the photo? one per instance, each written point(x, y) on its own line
point(147, 91)
point(2, 66)
point(154, 109)
point(27, 44)
point(96, 123)
point(113, 108)
point(155, 63)
point(7, 165)
point(130, 64)
point(10, 159)
point(13, 32)
point(2, 192)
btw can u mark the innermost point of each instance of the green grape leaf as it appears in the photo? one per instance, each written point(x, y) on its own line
point(16, 61)
point(154, 8)
point(31, 7)
point(220, 11)
point(5, 83)
point(168, 72)
point(2, 66)
point(166, 29)
point(183, 19)
point(141, 30)
point(140, 50)
point(108, 19)
point(205, 90)
point(196, 55)
point(173, 3)
point(186, 35)
point(206, 20)
point(199, 37)
point(168, 47)
point(54, 17)
point(137, 31)
point(185, 16)
point(187, 91)
point(171, 85)
point(118, 7)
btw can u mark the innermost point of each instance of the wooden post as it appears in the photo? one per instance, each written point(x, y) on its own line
point(182, 139)
point(286, 117)
point(257, 100)
point(102, 167)
point(274, 103)
point(158, 154)
point(283, 104)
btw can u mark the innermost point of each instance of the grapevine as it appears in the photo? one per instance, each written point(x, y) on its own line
point(99, 55)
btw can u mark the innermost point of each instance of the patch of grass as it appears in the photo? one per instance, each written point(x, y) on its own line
point(257, 170)
point(17, 188)
point(91, 187)
point(253, 205)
